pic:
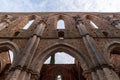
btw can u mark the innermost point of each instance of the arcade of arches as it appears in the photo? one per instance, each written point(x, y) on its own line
point(27, 40)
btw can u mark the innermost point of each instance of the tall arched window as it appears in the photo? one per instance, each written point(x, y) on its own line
point(28, 24)
point(11, 55)
point(93, 25)
point(6, 59)
point(60, 24)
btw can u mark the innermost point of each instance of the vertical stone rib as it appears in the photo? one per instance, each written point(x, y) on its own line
point(101, 74)
point(110, 74)
point(96, 57)
point(23, 58)
point(94, 76)
point(15, 75)
point(91, 45)
point(38, 31)
point(22, 75)
point(28, 76)
point(87, 44)
point(93, 57)
point(27, 50)
point(28, 53)
point(30, 56)
point(95, 50)
point(40, 28)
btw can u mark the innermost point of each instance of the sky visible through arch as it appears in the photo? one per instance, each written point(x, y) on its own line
point(60, 6)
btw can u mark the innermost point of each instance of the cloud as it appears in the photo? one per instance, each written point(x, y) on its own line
point(21, 6)
point(59, 5)
point(108, 5)
point(88, 5)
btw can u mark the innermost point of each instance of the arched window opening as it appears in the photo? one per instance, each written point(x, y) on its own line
point(48, 60)
point(7, 56)
point(115, 59)
point(11, 55)
point(93, 25)
point(60, 58)
point(59, 77)
point(28, 24)
point(60, 24)
point(6, 59)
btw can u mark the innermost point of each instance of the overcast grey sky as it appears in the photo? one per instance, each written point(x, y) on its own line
point(60, 6)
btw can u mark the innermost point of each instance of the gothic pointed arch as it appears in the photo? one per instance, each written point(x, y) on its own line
point(58, 47)
point(110, 46)
point(113, 53)
point(9, 45)
point(7, 60)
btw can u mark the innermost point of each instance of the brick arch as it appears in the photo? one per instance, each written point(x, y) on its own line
point(8, 45)
point(110, 46)
point(44, 54)
point(114, 58)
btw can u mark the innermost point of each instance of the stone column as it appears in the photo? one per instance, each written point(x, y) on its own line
point(87, 75)
point(94, 76)
point(96, 58)
point(90, 45)
point(41, 28)
point(23, 62)
point(110, 74)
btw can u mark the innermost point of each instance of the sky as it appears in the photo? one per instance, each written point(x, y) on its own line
point(62, 58)
point(60, 6)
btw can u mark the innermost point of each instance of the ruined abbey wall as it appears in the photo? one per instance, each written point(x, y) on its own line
point(92, 38)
